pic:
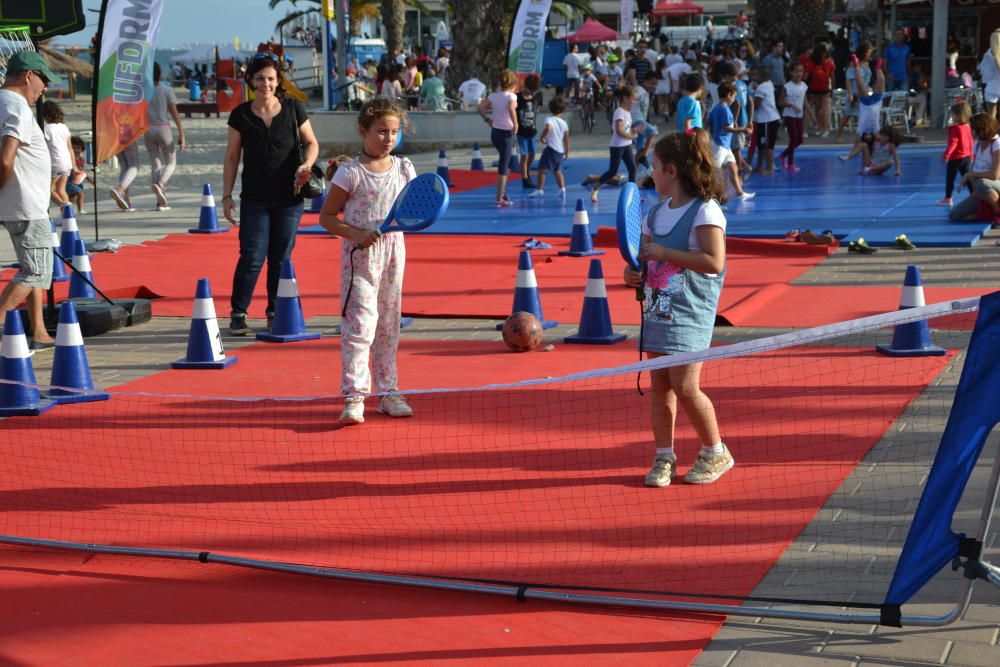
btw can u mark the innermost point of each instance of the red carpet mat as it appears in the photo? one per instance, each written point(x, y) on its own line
point(783, 305)
point(446, 276)
point(534, 483)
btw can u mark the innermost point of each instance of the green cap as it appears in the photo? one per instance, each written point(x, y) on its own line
point(31, 61)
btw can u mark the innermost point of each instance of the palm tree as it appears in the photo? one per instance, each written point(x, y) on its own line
point(393, 18)
point(359, 10)
point(480, 34)
point(806, 21)
point(769, 21)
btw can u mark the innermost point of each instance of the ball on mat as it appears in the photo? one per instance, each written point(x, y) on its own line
point(522, 332)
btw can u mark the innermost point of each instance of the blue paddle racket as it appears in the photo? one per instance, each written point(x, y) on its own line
point(629, 224)
point(418, 206)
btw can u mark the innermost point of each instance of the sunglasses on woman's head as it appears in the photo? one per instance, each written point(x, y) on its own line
point(265, 54)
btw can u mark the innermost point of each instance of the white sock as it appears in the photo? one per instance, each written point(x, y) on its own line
point(562, 191)
point(665, 452)
point(717, 448)
point(539, 191)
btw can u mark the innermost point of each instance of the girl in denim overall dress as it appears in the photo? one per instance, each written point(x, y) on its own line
point(684, 254)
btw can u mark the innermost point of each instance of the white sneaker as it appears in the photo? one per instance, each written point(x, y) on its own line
point(562, 193)
point(119, 199)
point(354, 411)
point(395, 405)
point(844, 157)
point(746, 195)
point(536, 194)
point(161, 197)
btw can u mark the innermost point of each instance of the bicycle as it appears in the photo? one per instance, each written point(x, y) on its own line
point(586, 103)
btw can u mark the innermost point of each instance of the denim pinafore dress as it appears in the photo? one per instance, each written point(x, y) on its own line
point(679, 311)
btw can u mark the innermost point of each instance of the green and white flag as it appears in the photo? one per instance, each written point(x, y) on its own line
point(527, 36)
point(127, 38)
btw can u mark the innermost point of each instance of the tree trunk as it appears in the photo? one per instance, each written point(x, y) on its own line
point(769, 22)
point(806, 23)
point(480, 43)
point(393, 18)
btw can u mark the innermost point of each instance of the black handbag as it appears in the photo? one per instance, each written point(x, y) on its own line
point(315, 186)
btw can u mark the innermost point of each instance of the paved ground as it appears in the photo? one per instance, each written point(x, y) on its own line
point(131, 353)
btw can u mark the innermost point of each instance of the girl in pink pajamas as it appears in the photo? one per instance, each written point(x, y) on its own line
point(364, 189)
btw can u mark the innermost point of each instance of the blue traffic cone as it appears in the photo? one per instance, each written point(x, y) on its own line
point(477, 159)
point(18, 393)
point(288, 324)
point(580, 242)
point(442, 168)
point(912, 339)
point(515, 161)
point(70, 370)
point(81, 262)
point(208, 220)
point(204, 348)
point(59, 274)
point(595, 320)
point(70, 232)
point(526, 292)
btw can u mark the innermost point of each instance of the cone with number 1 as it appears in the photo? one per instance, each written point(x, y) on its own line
point(204, 348)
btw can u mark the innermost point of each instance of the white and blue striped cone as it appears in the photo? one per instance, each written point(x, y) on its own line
point(70, 232)
point(913, 339)
point(595, 319)
point(70, 369)
point(477, 159)
point(79, 288)
point(289, 324)
point(59, 273)
point(18, 393)
point(442, 168)
point(204, 348)
point(580, 242)
point(515, 160)
point(208, 220)
point(526, 292)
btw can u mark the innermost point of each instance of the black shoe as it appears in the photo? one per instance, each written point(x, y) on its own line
point(36, 346)
point(238, 326)
point(526, 183)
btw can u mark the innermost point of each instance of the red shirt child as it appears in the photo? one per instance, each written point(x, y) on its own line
point(959, 142)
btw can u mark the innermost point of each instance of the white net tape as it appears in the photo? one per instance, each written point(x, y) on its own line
point(12, 40)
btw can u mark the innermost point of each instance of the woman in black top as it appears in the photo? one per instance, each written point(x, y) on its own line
point(263, 130)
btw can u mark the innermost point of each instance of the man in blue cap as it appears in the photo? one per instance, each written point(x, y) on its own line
point(25, 173)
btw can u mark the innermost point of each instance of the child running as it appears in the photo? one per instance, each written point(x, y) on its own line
point(372, 278)
point(78, 175)
point(766, 121)
point(684, 248)
point(502, 104)
point(555, 137)
point(688, 107)
point(885, 152)
point(723, 129)
point(794, 103)
point(57, 137)
point(958, 152)
point(621, 140)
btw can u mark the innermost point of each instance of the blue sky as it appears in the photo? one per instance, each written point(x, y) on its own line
point(201, 21)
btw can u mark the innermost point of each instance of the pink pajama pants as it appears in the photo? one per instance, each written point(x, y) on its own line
point(370, 327)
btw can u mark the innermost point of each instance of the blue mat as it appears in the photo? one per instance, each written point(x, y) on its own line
point(826, 194)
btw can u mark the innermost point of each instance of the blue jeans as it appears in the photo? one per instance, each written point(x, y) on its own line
point(267, 231)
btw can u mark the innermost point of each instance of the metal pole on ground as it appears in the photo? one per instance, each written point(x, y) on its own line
point(939, 41)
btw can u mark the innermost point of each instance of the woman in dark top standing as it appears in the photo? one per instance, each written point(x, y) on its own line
point(263, 130)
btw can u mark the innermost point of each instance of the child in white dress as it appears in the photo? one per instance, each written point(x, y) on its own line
point(372, 278)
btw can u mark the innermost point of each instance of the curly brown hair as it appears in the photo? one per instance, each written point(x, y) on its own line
point(691, 153)
point(985, 126)
point(382, 107)
point(51, 113)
